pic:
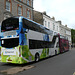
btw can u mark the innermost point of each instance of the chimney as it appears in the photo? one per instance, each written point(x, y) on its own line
point(65, 25)
point(53, 18)
point(44, 12)
point(60, 22)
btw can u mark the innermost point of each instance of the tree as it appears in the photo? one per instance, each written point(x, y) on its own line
point(73, 35)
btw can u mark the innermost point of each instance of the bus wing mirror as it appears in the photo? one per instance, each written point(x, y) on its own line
point(26, 30)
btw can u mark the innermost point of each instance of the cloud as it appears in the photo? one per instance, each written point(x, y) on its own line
point(63, 10)
point(38, 5)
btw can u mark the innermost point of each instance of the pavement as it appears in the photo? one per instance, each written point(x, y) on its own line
point(15, 70)
point(72, 48)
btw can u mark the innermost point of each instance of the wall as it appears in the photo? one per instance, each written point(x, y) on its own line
point(14, 8)
point(38, 17)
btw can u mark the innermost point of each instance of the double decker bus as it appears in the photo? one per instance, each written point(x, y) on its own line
point(23, 41)
point(63, 43)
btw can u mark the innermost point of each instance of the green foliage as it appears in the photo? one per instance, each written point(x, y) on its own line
point(73, 35)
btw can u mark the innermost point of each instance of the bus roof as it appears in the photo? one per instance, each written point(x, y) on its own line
point(29, 24)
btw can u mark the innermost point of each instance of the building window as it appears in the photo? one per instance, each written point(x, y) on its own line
point(8, 5)
point(65, 32)
point(49, 25)
point(57, 28)
point(53, 26)
point(20, 0)
point(20, 10)
point(28, 13)
point(45, 23)
point(28, 2)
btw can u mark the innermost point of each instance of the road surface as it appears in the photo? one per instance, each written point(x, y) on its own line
point(62, 64)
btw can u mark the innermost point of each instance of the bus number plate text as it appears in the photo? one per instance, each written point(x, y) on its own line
point(9, 52)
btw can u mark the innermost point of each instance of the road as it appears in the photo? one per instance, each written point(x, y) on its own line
point(62, 64)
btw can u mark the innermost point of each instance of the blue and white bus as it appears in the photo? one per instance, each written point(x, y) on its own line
point(24, 41)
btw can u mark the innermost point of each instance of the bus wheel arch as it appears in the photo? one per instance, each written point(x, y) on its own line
point(37, 57)
point(55, 52)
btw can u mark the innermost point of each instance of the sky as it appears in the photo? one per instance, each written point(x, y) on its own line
point(63, 10)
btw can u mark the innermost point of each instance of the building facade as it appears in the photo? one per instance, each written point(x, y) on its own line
point(38, 17)
point(64, 30)
point(10, 8)
point(50, 23)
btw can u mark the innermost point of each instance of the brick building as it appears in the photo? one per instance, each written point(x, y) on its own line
point(38, 17)
point(9, 8)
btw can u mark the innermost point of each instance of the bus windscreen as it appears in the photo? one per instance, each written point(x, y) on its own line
point(10, 24)
point(10, 43)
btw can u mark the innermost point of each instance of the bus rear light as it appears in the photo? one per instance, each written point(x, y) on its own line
point(3, 30)
point(19, 55)
point(0, 51)
point(19, 51)
point(15, 28)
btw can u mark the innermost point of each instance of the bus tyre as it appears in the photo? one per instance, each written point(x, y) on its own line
point(37, 57)
point(55, 52)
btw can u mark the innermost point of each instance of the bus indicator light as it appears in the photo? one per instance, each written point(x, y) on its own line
point(19, 51)
point(0, 51)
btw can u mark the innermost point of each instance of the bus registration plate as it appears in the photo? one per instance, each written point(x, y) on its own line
point(9, 52)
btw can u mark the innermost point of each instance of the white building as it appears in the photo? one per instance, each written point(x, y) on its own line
point(51, 24)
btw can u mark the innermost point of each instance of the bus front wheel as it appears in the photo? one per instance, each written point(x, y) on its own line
point(37, 57)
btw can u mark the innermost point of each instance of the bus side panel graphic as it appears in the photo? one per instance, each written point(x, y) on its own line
point(45, 53)
point(6, 57)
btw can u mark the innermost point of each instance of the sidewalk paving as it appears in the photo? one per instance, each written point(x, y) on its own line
point(72, 48)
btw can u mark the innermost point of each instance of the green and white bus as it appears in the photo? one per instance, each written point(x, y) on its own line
point(23, 41)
